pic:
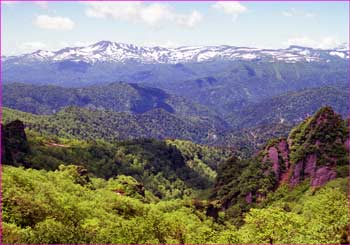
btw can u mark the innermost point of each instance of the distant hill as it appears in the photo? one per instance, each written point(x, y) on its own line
point(169, 169)
point(237, 84)
point(290, 107)
point(269, 71)
point(83, 123)
point(117, 97)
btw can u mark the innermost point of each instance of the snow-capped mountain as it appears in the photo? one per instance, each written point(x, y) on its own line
point(106, 51)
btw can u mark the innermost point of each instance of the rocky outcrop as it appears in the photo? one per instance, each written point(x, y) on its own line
point(312, 151)
point(278, 156)
point(322, 176)
point(315, 152)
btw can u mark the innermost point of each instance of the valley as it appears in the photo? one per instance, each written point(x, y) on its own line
point(188, 145)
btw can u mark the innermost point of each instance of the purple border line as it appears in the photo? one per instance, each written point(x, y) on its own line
point(16, 1)
point(348, 152)
point(1, 123)
point(260, 1)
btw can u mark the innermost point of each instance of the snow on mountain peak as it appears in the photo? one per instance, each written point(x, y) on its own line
point(107, 51)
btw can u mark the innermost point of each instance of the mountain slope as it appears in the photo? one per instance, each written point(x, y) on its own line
point(106, 61)
point(290, 107)
point(254, 202)
point(315, 152)
point(169, 169)
point(89, 124)
point(118, 97)
point(106, 51)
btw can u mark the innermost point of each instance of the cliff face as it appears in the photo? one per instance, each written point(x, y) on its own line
point(313, 150)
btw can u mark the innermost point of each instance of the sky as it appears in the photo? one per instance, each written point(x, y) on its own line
point(29, 26)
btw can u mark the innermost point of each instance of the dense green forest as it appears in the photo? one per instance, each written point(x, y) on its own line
point(92, 124)
point(293, 190)
point(290, 107)
point(56, 207)
point(83, 123)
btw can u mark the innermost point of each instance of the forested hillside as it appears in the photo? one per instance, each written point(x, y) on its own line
point(175, 191)
point(153, 122)
point(127, 111)
point(55, 207)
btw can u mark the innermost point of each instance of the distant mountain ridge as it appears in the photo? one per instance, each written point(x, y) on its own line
point(135, 103)
point(160, 67)
point(131, 101)
point(291, 107)
point(107, 51)
point(90, 124)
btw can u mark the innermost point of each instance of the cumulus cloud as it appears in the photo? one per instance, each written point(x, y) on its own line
point(154, 14)
point(297, 13)
point(323, 43)
point(54, 23)
point(230, 8)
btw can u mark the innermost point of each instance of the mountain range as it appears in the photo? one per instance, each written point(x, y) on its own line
point(107, 51)
point(217, 95)
point(106, 61)
point(189, 145)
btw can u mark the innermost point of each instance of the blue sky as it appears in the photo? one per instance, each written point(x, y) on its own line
point(27, 27)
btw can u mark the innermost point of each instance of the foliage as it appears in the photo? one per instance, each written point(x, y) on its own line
point(290, 107)
point(153, 191)
point(237, 179)
point(166, 169)
point(92, 124)
point(49, 207)
point(323, 134)
point(315, 218)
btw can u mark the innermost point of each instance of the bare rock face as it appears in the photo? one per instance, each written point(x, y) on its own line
point(296, 177)
point(278, 156)
point(296, 173)
point(312, 151)
point(318, 175)
point(273, 158)
point(322, 176)
point(304, 169)
point(310, 165)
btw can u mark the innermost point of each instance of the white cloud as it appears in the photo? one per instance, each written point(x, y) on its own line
point(323, 43)
point(154, 14)
point(28, 47)
point(297, 13)
point(54, 23)
point(230, 8)
point(191, 20)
